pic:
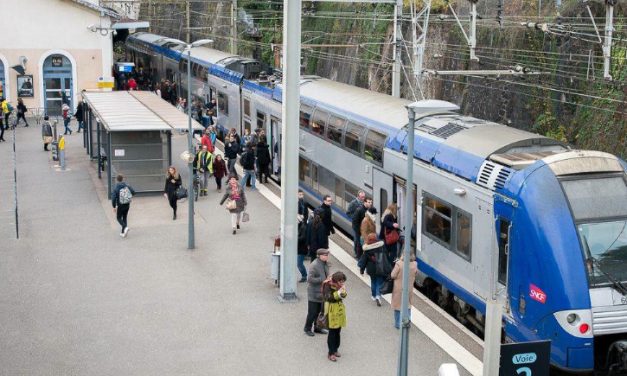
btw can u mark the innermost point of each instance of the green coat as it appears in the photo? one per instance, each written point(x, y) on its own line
point(336, 310)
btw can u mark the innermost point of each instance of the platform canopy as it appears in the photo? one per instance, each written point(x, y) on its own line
point(126, 111)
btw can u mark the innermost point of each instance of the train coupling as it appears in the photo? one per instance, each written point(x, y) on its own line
point(617, 358)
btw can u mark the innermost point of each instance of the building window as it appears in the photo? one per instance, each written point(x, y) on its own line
point(335, 129)
point(437, 220)
point(373, 149)
point(223, 104)
point(305, 116)
point(352, 138)
point(319, 123)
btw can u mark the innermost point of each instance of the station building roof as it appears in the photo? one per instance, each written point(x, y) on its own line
point(124, 111)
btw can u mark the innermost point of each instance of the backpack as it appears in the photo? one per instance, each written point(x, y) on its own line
point(125, 195)
point(10, 107)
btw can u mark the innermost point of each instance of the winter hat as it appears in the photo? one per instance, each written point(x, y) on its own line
point(322, 251)
point(371, 238)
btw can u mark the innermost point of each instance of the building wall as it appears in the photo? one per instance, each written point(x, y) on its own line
point(53, 27)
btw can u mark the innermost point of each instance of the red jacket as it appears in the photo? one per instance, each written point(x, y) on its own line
point(206, 140)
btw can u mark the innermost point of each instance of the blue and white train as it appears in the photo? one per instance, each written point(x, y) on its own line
point(549, 222)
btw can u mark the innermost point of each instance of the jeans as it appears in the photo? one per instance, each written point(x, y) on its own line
point(397, 317)
point(218, 182)
point(231, 164)
point(357, 242)
point(66, 124)
point(313, 309)
point(333, 340)
point(301, 265)
point(122, 214)
point(375, 286)
point(81, 125)
point(248, 173)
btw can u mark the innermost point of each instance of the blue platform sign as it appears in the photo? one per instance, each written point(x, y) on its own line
point(525, 359)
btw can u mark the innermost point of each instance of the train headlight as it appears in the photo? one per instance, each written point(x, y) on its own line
point(572, 318)
point(576, 322)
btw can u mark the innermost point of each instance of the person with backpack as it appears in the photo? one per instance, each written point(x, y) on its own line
point(203, 165)
point(67, 117)
point(172, 183)
point(21, 112)
point(317, 274)
point(334, 293)
point(374, 261)
point(121, 200)
point(248, 164)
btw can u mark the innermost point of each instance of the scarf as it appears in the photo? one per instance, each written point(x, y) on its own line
point(234, 189)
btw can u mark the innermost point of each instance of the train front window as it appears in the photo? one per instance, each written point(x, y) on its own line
point(605, 248)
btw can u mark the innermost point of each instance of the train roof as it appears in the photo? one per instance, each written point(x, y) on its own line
point(146, 37)
point(209, 55)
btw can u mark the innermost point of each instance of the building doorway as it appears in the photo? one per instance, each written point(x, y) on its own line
point(57, 79)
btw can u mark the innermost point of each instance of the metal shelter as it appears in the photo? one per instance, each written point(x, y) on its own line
point(130, 133)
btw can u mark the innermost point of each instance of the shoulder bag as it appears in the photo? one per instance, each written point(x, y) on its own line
point(181, 193)
point(391, 236)
point(230, 204)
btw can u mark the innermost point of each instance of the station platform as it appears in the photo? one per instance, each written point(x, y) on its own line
point(78, 299)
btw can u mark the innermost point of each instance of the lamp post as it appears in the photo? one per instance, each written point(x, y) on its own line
point(417, 111)
point(190, 133)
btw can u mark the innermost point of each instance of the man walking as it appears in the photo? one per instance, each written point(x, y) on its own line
point(79, 116)
point(318, 273)
point(231, 148)
point(248, 164)
point(203, 164)
point(358, 217)
point(121, 201)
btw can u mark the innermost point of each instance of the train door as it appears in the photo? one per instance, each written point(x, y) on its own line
point(382, 187)
point(246, 111)
point(483, 250)
point(274, 141)
point(503, 230)
point(400, 194)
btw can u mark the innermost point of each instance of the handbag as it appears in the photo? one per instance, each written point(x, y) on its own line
point(245, 217)
point(322, 321)
point(181, 193)
point(47, 139)
point(391, 237)
point(387, 286)
point(231, 204)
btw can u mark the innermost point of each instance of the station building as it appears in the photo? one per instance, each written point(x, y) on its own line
point(58, 48)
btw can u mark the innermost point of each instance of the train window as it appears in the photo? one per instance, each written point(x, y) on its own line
point(326, 182)
point(335, 129)
point(350, 192)
point(463, 229)
point(183, 66)
point(246, 106)
point(319, 122)
point(305, 116)
point(314, 177)
point(261, 119)
point(503, 240)
point(373, 149)
point(437, 220)
point(303, 171)
point(383, 197)
point(223, 104)
point(339, 192)
point(352, 138)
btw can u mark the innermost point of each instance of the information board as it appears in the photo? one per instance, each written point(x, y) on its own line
point(525, 359)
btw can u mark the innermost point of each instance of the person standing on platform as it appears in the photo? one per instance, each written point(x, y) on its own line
point(303, 249)
point(397, 291)
point(334, 293)
point(325, 207)
point(389, 222)
point(358, 215)
point(219, 170)
point(374, 262)
point(231, 148)
point(46, 132)
point(121, 201)
point(248, 164)
point(203, 165)
point(356, 203)
point(318, 273)
point(263, 161)
point(21, 112)
point(368, 224)
point(65, 111)
point(302, 206)
point(205, 140)
point(172, 183)
point(237, 202)
point(79, 116)
point(316, 234)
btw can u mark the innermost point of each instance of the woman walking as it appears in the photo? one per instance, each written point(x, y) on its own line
point(397, 276)
point(219, 171)
point(21, 112)
point(334, 293)
point(172, 183)
point(389, 223)
point(374, 262)
point(237, 201)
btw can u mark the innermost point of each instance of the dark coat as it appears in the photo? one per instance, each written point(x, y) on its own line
point(368, 258)
point(303, 248)
point(263, 155)
point(316, 238)
point(46, 129)
point(79, 112)
point(170, 187)
point(248, 160)
point(21, 108)
point(358, 217)
point(303, 210)
point(231, 149)
point(115, 195)
point(327, 219)
point(219, 168)
point(317, 273)
point(387, 223)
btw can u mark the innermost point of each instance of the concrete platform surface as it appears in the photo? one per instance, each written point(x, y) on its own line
point(76, 299)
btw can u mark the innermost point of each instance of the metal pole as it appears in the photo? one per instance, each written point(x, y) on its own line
point(190, 220)
point(473, 30)
point(234, 27)
point(396, 68)
point(289, 147)
point(188, 36)
point(409, 204)
point(607, 44)
point(17, 218)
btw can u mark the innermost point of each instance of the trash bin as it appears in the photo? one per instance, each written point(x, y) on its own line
point(275, 266)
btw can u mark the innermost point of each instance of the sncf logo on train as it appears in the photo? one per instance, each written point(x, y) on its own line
point(536, 293)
